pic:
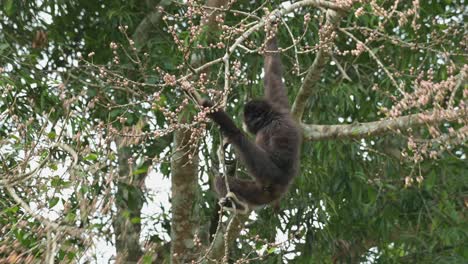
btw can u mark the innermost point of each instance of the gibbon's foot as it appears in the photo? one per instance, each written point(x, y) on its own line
point(226, 143)
point(230, 162)
point(233, 204)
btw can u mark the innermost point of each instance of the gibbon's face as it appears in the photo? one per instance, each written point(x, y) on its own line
point(257, 114)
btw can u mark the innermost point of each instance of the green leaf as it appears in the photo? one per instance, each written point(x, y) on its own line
point(53, 167)
point(430, 180)
point(92, 92)
point(126, 214)
point(52, 135)
point(4, 46)
point(114, 113)
point(271, 250)
point(371, 194)
point(162, 101)
point(141, 170)
point(165, 168)
point(8, 7)
point(56, 181)
point(135, 220)
point(84, 189)
point(14, 209)
point(112, 156)
point(147, 259)
point(70, 217)
point(53, 202)
point(71, 255)
point(14, 137)
point(91, 157)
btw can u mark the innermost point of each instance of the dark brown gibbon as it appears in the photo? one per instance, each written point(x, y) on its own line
point(273, 158)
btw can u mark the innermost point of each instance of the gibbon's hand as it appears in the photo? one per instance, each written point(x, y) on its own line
point(206, 103)
point(227, 126)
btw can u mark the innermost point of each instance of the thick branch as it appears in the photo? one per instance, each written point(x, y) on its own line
point(151, 21)
point(184, 178)
point(360, 130)
point(309, 86)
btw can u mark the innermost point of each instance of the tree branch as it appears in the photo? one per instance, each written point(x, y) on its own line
point(11, 181)
point(71, 230)
point(151, 20)
point(360, 130)
point(218, 250)
point(309, 86)
point(275, 15)
point(379, 62)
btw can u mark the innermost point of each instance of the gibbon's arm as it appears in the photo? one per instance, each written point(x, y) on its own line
point(275, 91)
point(226, 125)
point(257, 161)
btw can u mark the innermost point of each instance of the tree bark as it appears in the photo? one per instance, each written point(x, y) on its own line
point(361, 130)
point(184, 180)
point(150, 22)
point(128, 201)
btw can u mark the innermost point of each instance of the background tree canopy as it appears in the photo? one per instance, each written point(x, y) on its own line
point(94, 122)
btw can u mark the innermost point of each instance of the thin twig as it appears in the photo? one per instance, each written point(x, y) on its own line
point(215, 235)
point(461, 80)
point(379, 62)
point(226, 238)
point(298, 69)
point(77, 232)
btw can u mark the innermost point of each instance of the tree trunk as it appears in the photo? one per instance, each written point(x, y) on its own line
point(128, 201)
point(185, 182)
point(184, 178)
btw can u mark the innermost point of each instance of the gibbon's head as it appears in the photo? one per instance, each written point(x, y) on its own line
point(257, 114)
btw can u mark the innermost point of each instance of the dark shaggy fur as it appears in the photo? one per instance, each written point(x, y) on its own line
point(273, 159)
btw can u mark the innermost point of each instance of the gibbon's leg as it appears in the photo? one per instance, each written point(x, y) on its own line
point(257, 161)
point(246, 192)
point(226, 199)
point(233, 204)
